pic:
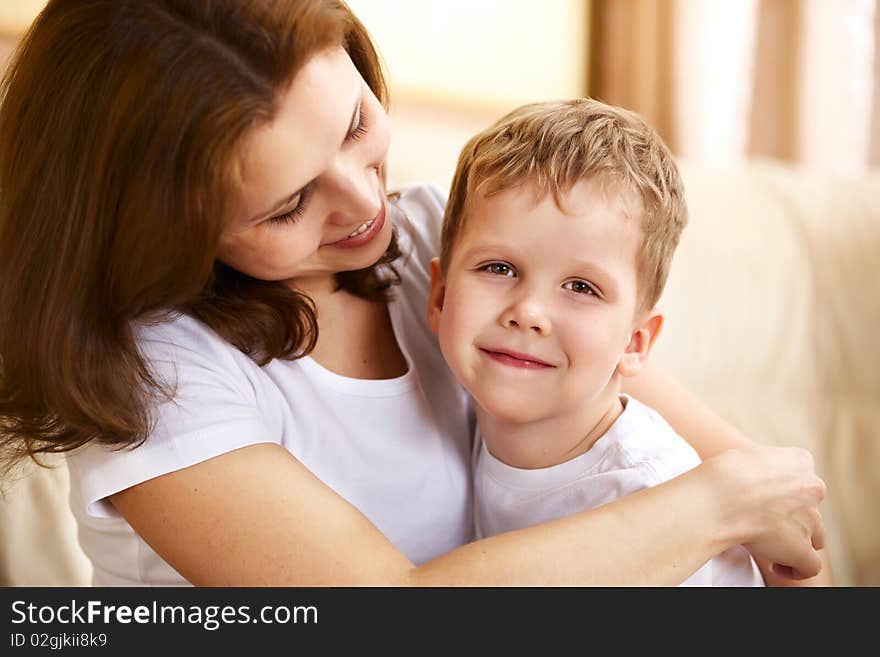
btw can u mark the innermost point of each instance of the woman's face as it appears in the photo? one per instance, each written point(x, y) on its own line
point(312, 200)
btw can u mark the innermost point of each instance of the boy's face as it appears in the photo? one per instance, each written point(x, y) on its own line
point(538, 306)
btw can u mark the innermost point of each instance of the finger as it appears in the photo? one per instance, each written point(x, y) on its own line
point(819, 489)
point(808, 566)
point(789, 572)
point(811, 525)
point(783, 571)
point(818, 535)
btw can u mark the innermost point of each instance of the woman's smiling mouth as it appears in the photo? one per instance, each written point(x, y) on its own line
point(363, 233)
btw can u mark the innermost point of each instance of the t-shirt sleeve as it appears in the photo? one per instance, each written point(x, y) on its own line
point(214, 410)
point(423, 207)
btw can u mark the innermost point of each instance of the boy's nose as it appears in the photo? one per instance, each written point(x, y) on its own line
point(526, 314)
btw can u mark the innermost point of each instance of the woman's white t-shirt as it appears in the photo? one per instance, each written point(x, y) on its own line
point(397, 449)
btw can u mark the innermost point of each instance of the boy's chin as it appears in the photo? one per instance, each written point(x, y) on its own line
point(509, 409)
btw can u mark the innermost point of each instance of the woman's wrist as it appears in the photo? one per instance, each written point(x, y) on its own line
point(734, 519)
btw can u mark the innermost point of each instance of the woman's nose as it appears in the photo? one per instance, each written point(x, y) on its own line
point(527, 313)
point(357, 190)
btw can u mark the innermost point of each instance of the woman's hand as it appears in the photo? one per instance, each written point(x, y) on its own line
point(771, 495)
point(778, 488)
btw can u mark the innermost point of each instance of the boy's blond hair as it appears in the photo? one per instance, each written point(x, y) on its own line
point(554, 145)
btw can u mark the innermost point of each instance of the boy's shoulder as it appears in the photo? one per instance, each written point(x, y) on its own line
point(643, 439)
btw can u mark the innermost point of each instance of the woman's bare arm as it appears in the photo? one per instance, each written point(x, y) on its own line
point(256, 516)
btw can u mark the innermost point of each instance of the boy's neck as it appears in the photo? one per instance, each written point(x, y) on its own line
point(549, 441)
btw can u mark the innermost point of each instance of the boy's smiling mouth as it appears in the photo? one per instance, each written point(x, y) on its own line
point(516, 359)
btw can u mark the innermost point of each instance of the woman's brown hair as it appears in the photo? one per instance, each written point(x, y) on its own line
point(120, 128)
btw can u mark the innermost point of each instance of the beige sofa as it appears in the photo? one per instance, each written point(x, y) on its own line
point(772, 308)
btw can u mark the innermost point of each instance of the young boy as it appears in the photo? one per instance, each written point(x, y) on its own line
point(557, 239)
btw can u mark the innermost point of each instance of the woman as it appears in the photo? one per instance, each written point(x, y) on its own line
point(228, 314)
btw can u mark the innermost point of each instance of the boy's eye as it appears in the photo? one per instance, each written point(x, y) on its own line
point(499, 269)
point(581, 287)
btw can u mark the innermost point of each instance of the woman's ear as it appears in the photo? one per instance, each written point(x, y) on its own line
point(641, 341)
point(436, 296)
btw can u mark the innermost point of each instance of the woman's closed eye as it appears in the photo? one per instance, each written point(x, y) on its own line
point(358, 130)
point(580, 286)
point(292, 216)
point(498, 269)
point(360, 126)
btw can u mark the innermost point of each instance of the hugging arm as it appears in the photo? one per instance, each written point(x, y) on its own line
point(257, 516)
point(710, 435)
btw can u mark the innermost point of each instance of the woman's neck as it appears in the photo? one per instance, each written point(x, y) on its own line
point(355, 337)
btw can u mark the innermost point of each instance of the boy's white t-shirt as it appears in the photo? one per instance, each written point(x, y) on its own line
point(640, 450)
point(397, 449)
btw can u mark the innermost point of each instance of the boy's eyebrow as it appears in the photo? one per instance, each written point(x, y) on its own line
point(487, 250)
point(490, 251)
point(609, 281)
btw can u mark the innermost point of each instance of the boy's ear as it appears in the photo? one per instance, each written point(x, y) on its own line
point(436, 296)
point(640, 343)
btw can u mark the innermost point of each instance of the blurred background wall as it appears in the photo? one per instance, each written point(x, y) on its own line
point(793, 80)
point(457, 65)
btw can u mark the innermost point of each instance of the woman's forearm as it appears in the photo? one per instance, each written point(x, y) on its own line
point(216, 528)
point(706, 432)
point(656, 537)
point(765, 497)
point(213, 526)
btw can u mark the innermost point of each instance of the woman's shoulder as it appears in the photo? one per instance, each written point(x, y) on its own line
point(179, 329)
point(427, 197)
point(180, 335)
point(211, 403)
point(419, 218)
point(421, 208)
point(180, 348)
